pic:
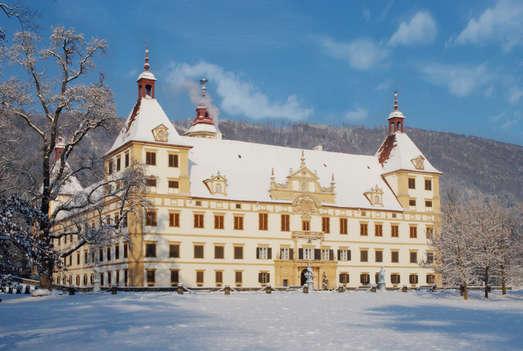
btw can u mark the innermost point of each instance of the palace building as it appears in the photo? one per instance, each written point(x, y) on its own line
point(232, 213)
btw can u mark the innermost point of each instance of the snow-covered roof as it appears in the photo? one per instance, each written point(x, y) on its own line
point(146, 75)
point(247, 167)
point(147, 115)
point(202, 127)
point(398, 151)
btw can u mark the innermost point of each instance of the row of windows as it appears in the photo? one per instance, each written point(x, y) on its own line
point(395, 278)
point(428, 184)
point(104, 254)
point(265, 253)
point(151, 219)
point(150, 274)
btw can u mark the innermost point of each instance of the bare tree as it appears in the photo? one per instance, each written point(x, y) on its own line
point(455, 245)
point(56, 100)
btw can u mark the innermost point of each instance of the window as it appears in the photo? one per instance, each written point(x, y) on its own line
point(175, 277)
point(126, 158)
point(150, 158)
point(108, 254)
point(285, 222)
point(263, 221)
point(218, 277)
point(379, 256)
point(305, 225)
point(150, 277)
point(413, 278)
point(173, 160)
point(286, 253)
point(343, 255)
point(394, 256)
point(412, 202)
point(198, 251)
point(174, 250)
point(429, 233)
point(428, 203)
point(325, 225)
point(364, 256)
point(238, 222)
point(378, 230)
point(430, 257)
point(428, 184)
point(344, 278)
point(430, 278)
point(413, 257)
point(327, 255)
point(364, 279)
point(395, 278)
point(264, 253)
point(219, 252)
point(150, 218)
point(264, 277)
point(150, 182)
point(173, 184)
point(198, 220)
point(343, 226)
point(364, 229)
point(238, 275)
point(174, 219)
point(150, 250)
point(412, 183)
point(125, 250)
point(413, 231)
point(394, 230)
point(238, 252)
point(218, 221)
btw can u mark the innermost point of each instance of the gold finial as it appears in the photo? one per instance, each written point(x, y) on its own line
point(146, 65)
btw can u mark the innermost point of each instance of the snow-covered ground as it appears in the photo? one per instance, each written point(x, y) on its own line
point(256, 321)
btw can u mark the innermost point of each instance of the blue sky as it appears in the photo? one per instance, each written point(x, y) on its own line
point(457, 64)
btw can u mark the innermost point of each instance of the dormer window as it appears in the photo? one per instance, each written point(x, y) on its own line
point(216, 184)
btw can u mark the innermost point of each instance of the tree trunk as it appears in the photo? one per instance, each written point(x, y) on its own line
point(503, 281)
point(486, 282)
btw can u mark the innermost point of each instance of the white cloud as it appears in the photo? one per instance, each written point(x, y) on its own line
point(421, 29)
point(357, 115)
point(515, 95)
point(361, 53)
point(237, 97)
point(461, 80)
point(501, 23)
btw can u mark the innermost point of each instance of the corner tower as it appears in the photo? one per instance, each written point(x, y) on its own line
point(408, 172)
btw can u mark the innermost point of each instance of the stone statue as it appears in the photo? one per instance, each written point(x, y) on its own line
point(309, 278)
point(381, 279)
point(324, 281)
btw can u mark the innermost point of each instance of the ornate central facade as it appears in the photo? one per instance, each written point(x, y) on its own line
point(224, 212)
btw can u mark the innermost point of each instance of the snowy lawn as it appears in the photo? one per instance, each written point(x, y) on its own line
point(256, 321)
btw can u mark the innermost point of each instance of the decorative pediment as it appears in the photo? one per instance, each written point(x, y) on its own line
point(418, 162)
point(216, 184)
point(299, 182)
point(161, 133)
point(375, 196)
